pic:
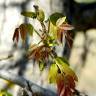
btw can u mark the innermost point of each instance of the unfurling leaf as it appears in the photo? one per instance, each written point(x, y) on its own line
point(69, 39)
point(23, 31)
point(60, 84)
point(53, 31)
point(65, 85)
point(60, 21)
point(65, 69)
point(39, 53)
point(40, 15)
point(16, 35)
point(63, 30)
point(60, 35)
point(53, 71)
point(51, 41)
point(29, 14)
point(62, 59)
point(66, 27)
point(54, 17)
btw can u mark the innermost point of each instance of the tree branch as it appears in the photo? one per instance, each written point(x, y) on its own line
point(9, 76)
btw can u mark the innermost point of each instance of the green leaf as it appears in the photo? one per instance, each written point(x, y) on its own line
point(30, 29)
point(40, 15)
point(41, 66)
point(53, 31)
point(51, 41)
point(54, 17)
point(65, 69)
point(53, 71)
point(60, 21)
point(62, 59)
point(29, 14)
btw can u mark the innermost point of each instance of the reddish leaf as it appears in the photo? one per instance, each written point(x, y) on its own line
point(66, 27)
point(71, 81)
point(69, 39)
point(23, 31)
point(60, 85)
point(16, 34)
point(35, 53)
point(65, 85)
point(63, 31)
point(60, 34)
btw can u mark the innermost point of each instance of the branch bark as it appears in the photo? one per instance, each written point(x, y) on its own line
point(21, 81)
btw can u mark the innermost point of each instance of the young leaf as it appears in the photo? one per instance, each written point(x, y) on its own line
point(60, 85)
point(16, 35)
point(54, 17)
point(53, 71)
point(53, 31)
point(65, 85)
point(30, 29)
point(60, 21)
point(29, 14)
point(40, 15)
point(60, 35)
point(62, 59)
point(65, 68)
point(23, 31)
point(51, 42)
point(66, 27)
point(63, 31)
point(69, 39)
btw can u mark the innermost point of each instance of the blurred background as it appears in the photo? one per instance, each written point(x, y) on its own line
point(82, 55)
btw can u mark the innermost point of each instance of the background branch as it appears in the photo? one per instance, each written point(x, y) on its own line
point(9, 76)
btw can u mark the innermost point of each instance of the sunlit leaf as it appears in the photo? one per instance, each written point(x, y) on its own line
point(66, 27)
point(53, 31)
point(51, 41)
point(54, 17)
point(53, 71)
point(16, 35)
point(63, 59)
point(65, 68)
point(60, 21)
point(40, 15)
point(29, 14)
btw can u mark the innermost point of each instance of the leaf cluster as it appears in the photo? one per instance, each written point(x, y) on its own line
point(53, 30)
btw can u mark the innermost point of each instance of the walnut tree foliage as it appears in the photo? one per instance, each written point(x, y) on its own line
point(53, 30)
